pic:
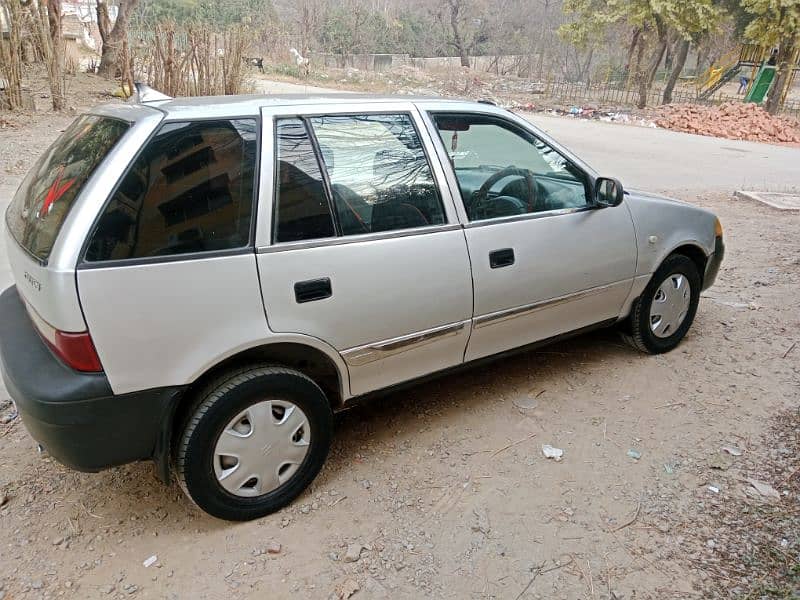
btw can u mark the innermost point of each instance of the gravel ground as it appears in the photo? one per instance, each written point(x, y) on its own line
point(442, 490)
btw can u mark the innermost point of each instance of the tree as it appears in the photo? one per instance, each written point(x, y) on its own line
point(10, 54)
point(776, 23)
point(466, 27)
point(652, 19)
point(113, 36)
point(55, 60)
point(677, 67)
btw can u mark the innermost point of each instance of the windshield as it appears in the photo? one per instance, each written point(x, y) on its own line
point(48, 191)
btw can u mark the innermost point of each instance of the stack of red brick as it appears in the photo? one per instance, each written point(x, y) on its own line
point(732, 120)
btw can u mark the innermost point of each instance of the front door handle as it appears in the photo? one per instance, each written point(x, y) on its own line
point(501, 258)
point(313, 289)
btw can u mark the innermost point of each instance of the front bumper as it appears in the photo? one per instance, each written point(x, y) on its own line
point(713, 263)
point(76, 416)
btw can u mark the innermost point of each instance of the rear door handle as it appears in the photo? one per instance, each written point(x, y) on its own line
point(501, 258)
point(313, 289)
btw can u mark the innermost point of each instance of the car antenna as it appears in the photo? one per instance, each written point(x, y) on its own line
point(144, 94)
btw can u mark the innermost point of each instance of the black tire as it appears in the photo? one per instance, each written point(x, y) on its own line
point(641, 336)
point(220, 402)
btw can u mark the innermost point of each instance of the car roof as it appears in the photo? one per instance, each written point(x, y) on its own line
point(251, 104)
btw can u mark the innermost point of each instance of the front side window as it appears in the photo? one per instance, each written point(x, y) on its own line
point(190, 190)
point(503, 170)
point(50, 188)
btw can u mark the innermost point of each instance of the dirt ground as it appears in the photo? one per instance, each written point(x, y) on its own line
point(444, 487)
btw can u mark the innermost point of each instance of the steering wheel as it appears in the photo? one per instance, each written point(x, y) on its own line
point(482, 194)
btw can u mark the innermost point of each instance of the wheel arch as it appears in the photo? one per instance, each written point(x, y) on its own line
point(694, 253)
point(309, 356)
point(690, 249)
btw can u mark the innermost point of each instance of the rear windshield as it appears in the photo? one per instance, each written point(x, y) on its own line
point(48, 191)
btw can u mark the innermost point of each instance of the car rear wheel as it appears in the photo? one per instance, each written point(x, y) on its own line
point(254, 442)
point(664, 312)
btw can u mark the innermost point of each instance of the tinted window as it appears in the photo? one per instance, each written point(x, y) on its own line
point(190, 190)
point(503, 170)
point(48, 191)
point(302, 211)
point(380, 177)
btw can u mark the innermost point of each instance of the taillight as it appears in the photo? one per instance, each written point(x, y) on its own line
point(75, 349)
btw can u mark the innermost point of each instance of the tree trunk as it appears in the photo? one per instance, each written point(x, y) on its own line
point(631, 48)
point(669, 56)
point(458, 41)
point(783, 75)
point(55, 67)
point(646, 78)
point(702, 58)
point(635, 72)
point(11, 56)
point(111, 54)
point(680, 61)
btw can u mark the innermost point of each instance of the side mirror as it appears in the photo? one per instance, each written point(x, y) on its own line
point(607, 192)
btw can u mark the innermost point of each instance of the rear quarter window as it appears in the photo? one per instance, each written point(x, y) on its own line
point(49, 190)
point(190, 190)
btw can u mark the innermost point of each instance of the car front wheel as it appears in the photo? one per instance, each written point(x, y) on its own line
point(664, 312)
point(253, 443)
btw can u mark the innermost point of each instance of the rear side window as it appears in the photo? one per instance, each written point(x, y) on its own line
point(302, 209)
point(380, 177)
point(190, 190)
point(352, 174)
point(48, 192)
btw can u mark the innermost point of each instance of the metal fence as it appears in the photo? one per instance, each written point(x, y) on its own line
point(617, 93)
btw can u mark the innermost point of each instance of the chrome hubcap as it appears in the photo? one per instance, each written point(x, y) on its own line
point(670, 305)
point(261, 448)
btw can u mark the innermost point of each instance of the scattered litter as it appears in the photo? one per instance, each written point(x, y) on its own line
point(481, 524)
point(353, 552)
point(551, 452)
point(713, 488)
point(669, 469)
point(732, 450)
point(149, 562)
point(273, 548)
point(528, 402)
point(731, 304)
point(634, 454)
point(764, 489)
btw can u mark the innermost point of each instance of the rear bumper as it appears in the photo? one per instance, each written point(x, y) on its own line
point(76, 416)
point(713, 263)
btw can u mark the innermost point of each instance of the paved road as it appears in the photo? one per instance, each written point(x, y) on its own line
point(669, 161)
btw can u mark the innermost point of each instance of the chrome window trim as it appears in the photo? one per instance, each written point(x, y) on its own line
point(362, 355)
point(353, 239)
point(528, 216)
point(520, 311)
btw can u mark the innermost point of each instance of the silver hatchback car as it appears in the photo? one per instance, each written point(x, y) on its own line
point(204, 282)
